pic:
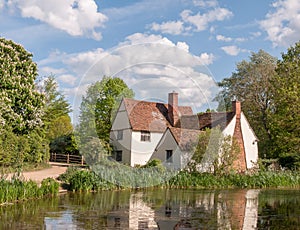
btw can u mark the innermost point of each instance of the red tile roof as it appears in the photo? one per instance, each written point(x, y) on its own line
point(185, 138)
point(150, 116)
point(153, 116)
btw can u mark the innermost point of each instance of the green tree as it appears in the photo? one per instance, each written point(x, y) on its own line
point(24, 104)
point(59, 129)
point(22, 136)
point(286, 109)
point(214, 152)
point(55, 103)
point(251, 84)
point(99, 106)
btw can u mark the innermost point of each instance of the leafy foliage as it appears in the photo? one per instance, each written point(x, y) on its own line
point(251, 84)
point(59, 129)
point(22, 136)
point(99, 106)
point(214, 152)
point(286, 117)
point(23, 108)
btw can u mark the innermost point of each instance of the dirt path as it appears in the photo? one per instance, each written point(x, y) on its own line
point(53, 172)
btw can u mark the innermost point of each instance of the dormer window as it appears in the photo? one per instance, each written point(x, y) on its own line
point(145, 136)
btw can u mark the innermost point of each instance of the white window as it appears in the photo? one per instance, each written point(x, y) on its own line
point(145, 136)
point(120, 135)
point(169, 156)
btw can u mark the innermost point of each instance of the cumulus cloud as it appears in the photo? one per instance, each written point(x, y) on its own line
point(207, 59)
point(76, 17)
point(191, 21)
point(223, 38)
point(229, 39)
point(205, 3)
point(201, 21)
point(170, 27)
point(151, 65)
point(283, 23)
point(231, 50)
point(68, 79)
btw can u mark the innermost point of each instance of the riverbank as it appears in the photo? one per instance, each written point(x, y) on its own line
point(15, 187)
point(86, 180)
point(53, 171)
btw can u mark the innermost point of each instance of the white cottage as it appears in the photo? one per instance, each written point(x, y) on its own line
point(145, 130)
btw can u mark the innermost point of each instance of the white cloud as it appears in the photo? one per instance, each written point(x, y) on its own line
point(50, 70)
point(255, 34)
point(67, 79)
point(191, 21)
point(240, 39)
point(229, 39)
point(77, 18)
point(205, 3)
point(170, 27)
point(231, 50)
point(2, 3)
point(183, 45)
point(201, 21)
point(283, 24)
point(207, 59)
point(142, 61)
point(223, 38)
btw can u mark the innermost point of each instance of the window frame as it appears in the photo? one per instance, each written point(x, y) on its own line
point(169, 156)
point(145, 136)
point(119, 155)
point(120, 134)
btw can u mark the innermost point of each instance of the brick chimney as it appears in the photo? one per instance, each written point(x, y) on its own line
point(173, 108)
point(236, 108)
point(240, 162)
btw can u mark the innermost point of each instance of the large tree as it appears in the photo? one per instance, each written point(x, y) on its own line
point(286, 98)
point(98, 107)
point(55, 103)
point(59, 129)
point(22, 136)
point(251, 84)
point(23, 103)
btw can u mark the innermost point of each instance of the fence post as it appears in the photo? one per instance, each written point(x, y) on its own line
point(68, 158)
point(81, 160)
point(54, 157)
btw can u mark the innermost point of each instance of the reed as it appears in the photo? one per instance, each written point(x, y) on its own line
point(87, 180)
point(17, 189)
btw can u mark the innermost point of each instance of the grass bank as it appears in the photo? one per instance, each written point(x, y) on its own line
point(87, 180)
point(16, 189)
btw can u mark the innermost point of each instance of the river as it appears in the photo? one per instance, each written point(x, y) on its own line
point(158, 209)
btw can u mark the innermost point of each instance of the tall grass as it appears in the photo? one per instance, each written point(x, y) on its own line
point(17, 189)
point(87, 180)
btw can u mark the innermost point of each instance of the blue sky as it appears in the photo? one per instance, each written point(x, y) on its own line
point(155, 46)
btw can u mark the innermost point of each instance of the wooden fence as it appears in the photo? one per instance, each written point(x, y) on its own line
point(67, 158)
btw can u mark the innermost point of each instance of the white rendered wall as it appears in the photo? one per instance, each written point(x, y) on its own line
point(168, 143)
point(229, 130)
point(121, 122)
point(141, 151)
point(250, 142)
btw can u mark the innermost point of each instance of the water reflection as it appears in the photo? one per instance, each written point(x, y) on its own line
point(158, 209)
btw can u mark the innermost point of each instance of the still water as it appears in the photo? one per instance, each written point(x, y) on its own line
point(158, 209)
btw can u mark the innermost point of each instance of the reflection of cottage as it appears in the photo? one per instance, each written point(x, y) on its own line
point(145, 130)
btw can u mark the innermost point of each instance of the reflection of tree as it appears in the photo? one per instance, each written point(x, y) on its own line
point(279, 210)
point(29, 214)
point(196, 209)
